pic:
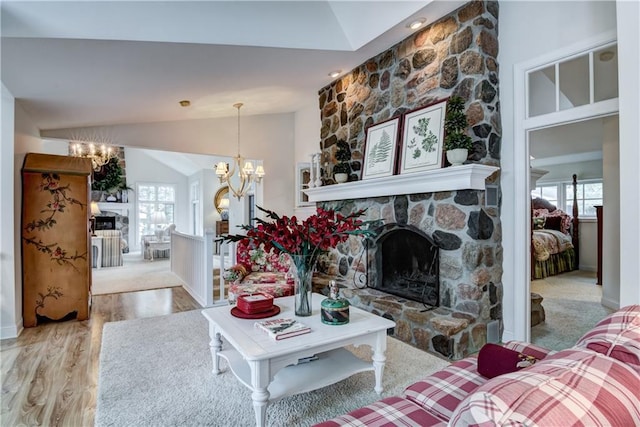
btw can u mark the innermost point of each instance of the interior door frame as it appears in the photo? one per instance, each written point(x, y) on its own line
point(522, 126)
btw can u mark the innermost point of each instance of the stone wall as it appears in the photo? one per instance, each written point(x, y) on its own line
point(454, 56)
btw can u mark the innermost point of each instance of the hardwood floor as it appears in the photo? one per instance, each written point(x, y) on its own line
point(50, 372)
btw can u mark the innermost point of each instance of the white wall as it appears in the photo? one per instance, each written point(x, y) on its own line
point(528, 30)
point(26, 140)
point(611, 216)
point(588, 230)
point(141, 169)
point(269, 138)
point(307, 136)
point(10, 289)
point(628, 15)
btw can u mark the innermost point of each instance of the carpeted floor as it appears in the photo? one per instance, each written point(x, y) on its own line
point(572, 307)
point(157, 372)
point(136, 274)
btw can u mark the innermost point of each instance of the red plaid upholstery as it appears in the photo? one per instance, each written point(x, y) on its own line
point(572, 387)
point(617, 336)
point(391, 411)
point(529, 349)
point(441, 392)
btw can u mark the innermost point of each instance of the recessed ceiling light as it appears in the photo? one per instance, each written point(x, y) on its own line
point(414, 25)
point(335, 74)
point(605, 56)
point(185, 103)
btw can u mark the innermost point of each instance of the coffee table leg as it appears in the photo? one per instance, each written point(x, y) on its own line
point(260, 395)
point(379, 359)
point(216, 346)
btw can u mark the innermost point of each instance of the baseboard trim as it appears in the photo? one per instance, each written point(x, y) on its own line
point(614, 305)
point(7, 332)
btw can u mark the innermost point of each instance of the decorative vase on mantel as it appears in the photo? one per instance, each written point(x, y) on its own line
point(457, 156)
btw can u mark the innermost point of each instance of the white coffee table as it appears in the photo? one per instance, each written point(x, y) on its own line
point(270, 368)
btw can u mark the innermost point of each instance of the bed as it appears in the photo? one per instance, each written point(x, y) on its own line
point(554, 238)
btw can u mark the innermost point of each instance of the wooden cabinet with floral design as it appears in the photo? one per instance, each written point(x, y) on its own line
point(56, 243)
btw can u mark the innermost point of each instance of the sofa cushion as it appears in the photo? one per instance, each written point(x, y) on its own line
point(391, 411)
point(617, 336)
point(571, 387)
point(441, 392)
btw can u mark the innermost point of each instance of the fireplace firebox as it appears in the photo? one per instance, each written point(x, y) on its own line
point(407, 265)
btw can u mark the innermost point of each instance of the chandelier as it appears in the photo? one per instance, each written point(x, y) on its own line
point(99, 156)
point(246, 174)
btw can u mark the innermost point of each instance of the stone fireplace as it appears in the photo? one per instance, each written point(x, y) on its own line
point(454, 56)
point(405, 263)
point(450, 235)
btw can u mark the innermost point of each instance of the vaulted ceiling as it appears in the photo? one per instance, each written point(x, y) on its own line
point(84, 63)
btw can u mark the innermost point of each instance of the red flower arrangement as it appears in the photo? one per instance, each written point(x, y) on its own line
point(303, 241)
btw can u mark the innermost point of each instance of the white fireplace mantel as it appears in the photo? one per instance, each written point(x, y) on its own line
point(465, 177)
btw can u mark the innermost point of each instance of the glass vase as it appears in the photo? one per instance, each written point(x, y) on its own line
point(302, 271)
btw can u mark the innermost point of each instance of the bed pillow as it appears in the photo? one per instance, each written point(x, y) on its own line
point(538, 223)
point(553, 223)
point(539, 203)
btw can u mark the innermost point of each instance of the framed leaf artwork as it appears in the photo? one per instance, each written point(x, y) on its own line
point(380, 149)
point(423, 139)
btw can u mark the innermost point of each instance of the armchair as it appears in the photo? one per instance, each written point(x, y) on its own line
point(157, 245)
point(112, 246)
point(259, 271)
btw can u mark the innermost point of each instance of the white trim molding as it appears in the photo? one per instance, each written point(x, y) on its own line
point(518, 296)
point(465, 177)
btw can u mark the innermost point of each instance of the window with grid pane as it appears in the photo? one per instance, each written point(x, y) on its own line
point(589, 195)
point(547, 192)
point(156, 207)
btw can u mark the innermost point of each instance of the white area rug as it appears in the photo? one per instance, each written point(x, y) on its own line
point(157, 372)
point(135, 275)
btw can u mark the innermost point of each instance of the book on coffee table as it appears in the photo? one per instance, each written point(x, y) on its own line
point(283, 328)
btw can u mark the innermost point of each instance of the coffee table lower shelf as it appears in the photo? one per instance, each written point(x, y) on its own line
point(330, 367)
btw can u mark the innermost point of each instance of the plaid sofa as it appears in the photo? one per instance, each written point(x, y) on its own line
point(594, 383)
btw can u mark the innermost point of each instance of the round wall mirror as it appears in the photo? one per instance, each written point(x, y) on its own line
point(222, 193)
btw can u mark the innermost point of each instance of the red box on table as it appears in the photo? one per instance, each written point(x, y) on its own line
point(254, 303)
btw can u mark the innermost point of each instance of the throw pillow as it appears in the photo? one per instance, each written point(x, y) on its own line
point(494, 360)
point(538, 223)
point(553, 223)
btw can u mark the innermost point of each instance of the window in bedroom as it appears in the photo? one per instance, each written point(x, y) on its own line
point(547, 192)
point(156, 207)
point(589, 195)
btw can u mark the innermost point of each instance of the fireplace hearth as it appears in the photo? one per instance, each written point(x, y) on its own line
point(407, 263)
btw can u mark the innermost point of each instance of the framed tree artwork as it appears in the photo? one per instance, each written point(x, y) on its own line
point(423, 139)
point(380, 149)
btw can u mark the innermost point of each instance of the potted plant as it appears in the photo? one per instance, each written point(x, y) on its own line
point(109, 179)
point(342, 169)
point(456, 142)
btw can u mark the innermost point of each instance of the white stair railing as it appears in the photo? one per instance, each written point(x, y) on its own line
point(192, 262)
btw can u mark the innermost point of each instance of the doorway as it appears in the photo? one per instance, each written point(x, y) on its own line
point(568, 298)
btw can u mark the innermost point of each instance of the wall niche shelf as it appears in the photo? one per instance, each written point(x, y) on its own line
point(465, 177)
